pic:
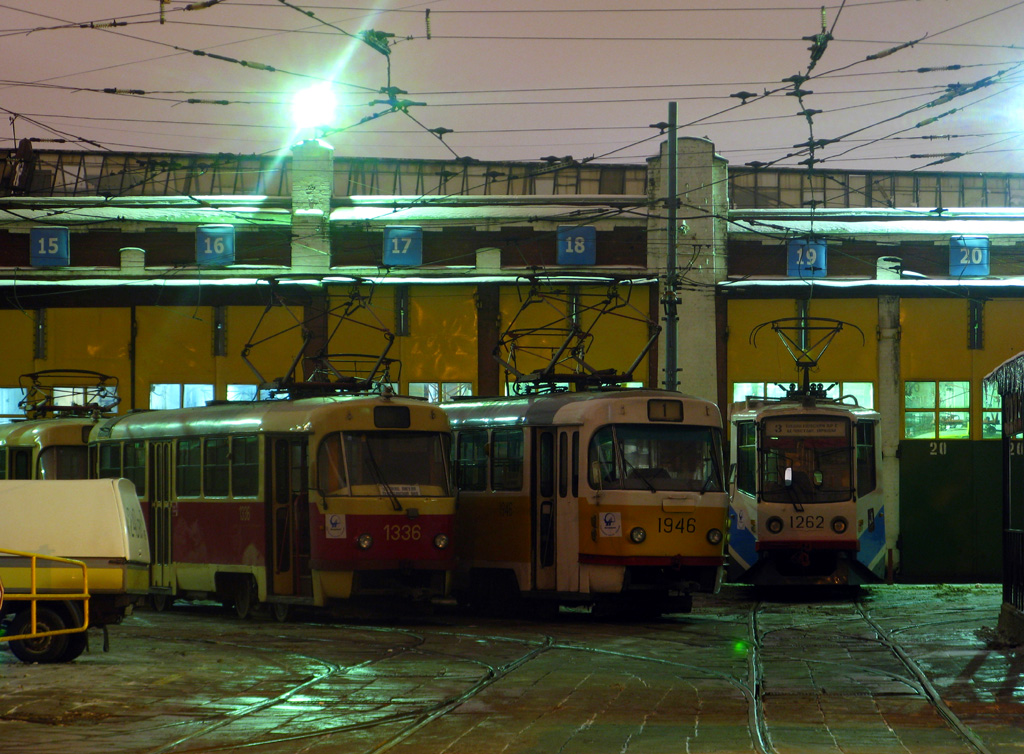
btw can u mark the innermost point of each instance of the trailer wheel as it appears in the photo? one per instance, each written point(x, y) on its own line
point(76, 645)
point(44, 648)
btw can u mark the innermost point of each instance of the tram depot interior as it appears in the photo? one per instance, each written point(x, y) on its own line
point(131, 294)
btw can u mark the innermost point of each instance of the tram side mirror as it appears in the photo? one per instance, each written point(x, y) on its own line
point(595, 474)
point(732, 473)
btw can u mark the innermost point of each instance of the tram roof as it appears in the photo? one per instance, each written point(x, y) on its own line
point(766, 406)
point(49, 431)
point(543, 409)
point(239, 417)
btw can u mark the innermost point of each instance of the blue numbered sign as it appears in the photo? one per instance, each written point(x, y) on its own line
point(577, 244)
point(215, 245)
point(403, 245)
point(807, 258)
point(968, 256)
point(49, 247)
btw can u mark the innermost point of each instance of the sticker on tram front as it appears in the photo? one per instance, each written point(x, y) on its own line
point(334, 525)
point(611, 524)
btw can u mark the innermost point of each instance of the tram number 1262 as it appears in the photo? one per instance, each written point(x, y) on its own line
point(807, 522)
point(669, 525)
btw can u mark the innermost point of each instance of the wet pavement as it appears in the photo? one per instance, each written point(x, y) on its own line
point(890, 669)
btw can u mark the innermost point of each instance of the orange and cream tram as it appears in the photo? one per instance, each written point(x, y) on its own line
point(604, 498)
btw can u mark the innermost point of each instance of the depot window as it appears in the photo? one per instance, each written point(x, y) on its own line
point(861, 392)
point(936, 408)
point(991, 411)
point(440, 392)
point(176, 395)
point(10, 397)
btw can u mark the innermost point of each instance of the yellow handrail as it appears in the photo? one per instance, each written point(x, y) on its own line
point(33, 596)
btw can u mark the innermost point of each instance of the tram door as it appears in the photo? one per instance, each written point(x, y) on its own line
point(544, 518)
point(289, 518)
point(160, 511)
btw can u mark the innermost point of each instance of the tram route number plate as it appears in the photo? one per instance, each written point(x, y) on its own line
point(674, 525)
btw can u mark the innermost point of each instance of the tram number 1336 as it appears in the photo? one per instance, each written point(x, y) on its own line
point(402, 532)
point(669, 525)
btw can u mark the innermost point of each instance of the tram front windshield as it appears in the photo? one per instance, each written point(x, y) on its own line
point(405, 464)
point(656, 458)
point(806, 459)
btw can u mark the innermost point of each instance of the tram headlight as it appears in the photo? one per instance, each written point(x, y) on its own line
point(774, 525)
point(441, 541)
point(715, 536)
point(364, 541)
point(637, 535)
point(839, 525)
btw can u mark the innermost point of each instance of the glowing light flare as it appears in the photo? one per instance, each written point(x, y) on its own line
point(314, 106)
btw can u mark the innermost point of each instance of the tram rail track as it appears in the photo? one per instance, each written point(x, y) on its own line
point(742, 675)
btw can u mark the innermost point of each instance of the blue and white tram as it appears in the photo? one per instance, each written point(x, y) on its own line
point(807, 504)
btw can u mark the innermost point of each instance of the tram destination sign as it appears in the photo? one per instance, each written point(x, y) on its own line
point(798, 427)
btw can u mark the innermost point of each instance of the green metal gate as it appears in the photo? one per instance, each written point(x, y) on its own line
point(950, 511)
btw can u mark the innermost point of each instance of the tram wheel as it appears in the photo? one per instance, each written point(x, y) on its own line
point(245, 598)
point(281, 611)
point(161, 602)
point(44, 648)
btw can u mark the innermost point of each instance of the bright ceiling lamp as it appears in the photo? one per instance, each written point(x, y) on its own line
point(314, 107)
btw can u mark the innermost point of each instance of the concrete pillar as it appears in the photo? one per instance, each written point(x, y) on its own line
point(701, 185)
point(312, 187)
point(889, 400)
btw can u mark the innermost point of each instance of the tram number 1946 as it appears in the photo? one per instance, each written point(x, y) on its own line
point(668, 525)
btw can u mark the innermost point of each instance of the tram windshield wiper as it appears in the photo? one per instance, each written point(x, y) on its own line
point(632, 472)
point(379, 476)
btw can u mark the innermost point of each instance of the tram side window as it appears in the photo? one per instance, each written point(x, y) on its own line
point(3, 463)
point(21, 463)
point(601, 459)
point(471, 469)
point(188, 468)
point(245, 466)
point(63, 462)
point(865, 457)
point(135, 465)
point(331, 465)
point(215, 467)
point(746, 455)
point(507, 459)
point(109, 460)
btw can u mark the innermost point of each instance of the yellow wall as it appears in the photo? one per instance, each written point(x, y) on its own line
point(618, 338)
point(933, 339)
point(281, 342)
point(442, 341)
point(847, 359)
point(18, 330)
